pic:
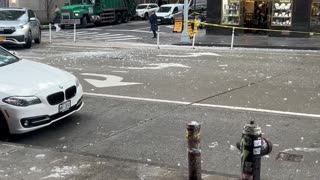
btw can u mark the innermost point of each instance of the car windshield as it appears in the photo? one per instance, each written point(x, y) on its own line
point(12, 15)
point(142, 7)
point(164, 9)
point(6, 58)
point(74, 2)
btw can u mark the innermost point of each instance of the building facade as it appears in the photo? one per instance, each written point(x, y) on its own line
point(292, 15)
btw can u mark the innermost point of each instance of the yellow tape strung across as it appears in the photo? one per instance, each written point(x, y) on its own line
point(255, 29)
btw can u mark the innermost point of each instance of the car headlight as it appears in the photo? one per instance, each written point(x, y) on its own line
point(22, 101)
point(76, 14)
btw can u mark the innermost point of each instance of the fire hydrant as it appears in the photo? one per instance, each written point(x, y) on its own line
point(252, 146)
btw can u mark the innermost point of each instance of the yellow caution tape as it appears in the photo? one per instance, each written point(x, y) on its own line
point(255, 29)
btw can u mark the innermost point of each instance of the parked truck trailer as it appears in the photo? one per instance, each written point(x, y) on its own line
point(82, 12)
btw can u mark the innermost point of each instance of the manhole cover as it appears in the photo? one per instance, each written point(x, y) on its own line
point(284, 156)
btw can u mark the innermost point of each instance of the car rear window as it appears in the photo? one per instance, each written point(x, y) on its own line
point(6, 58)
point(142, 7)
point(11, 15)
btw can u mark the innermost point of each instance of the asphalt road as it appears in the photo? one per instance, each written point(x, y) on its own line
point(138, 100)
point(133, 31)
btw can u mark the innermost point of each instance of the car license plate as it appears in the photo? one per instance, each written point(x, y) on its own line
point(2, 38)
point(64, 106)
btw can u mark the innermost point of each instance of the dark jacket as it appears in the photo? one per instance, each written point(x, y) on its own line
point(153, 19)
point(57, 16)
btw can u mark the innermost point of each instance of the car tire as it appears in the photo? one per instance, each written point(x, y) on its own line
point(125, 17)
point(118, 18)
point(28, 41)
point(171, 21)
point(4, 130)
point(38, 39)
point(146, 16)
point(84, 22)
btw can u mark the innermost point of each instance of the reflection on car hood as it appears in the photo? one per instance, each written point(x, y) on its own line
point(26, 78)
point(10, 23)
point(162, 14)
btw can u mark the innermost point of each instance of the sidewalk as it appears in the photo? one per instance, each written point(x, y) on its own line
point(19, 162)
point(258, 41)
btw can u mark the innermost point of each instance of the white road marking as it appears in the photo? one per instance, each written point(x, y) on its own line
point(190, 55)
point(206, 105)
point(156, 66)
point(121, 39)
point(109, 81)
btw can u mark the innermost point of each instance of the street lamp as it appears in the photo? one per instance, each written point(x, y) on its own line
point(184, 36)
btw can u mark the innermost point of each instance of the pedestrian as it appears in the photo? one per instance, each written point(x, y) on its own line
point(57, 18)
point(153, 19)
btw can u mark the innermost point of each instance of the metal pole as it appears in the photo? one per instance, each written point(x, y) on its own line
point(50, 40)
point(75, 32)
point(158, 38)
point(184, 36)
point(194, 151)
point(232, 38)
point(193, 40)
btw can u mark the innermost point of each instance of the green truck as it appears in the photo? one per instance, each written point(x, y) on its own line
point(83, 12)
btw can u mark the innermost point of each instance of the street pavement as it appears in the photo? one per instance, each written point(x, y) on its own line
point(133, 31)
point(140, 118)
point(139, 97)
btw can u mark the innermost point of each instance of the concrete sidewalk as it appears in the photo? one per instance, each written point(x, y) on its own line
point(258, 41)
point(28, 163)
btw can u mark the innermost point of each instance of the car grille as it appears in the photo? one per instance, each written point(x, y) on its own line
point(7, 30)
point(71, 92)
point(56, 98)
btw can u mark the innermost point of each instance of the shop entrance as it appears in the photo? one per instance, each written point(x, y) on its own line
point(256, 14)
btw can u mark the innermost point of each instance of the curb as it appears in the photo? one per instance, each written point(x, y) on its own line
point(248, 46)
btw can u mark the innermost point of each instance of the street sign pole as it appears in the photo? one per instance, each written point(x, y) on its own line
point(185, 36)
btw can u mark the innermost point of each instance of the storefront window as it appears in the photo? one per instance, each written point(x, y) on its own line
point(281, 13)
point(315, 12)
point(230, 12)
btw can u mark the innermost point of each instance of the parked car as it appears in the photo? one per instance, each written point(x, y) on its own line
point(167, 12)
point(34, 95)
point(19, 26)
point(144, 10)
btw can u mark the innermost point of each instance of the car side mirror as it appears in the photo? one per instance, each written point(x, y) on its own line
point(32, 19)
point(14, 53)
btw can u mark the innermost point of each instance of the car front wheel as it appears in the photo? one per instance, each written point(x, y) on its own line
point(4, 131)
point(38, 39)
point(28, 41)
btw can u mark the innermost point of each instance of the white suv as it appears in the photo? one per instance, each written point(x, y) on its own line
point(144, 10)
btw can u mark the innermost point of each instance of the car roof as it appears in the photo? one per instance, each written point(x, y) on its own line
point(171, 5)
point(17, 9)
point(148, 4)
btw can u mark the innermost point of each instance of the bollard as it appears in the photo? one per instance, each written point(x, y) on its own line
point(50, 40)
point(252, 147)
point(158, 40)
point(194, 151)
point(232, 38)
point(74, 32)
point(193, 40)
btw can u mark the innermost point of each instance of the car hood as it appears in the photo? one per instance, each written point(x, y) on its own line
point(11, 23)
point(162, 14)
point(27, 78)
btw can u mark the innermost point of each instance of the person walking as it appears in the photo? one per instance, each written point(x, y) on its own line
point(57, 18)
point(153, 19)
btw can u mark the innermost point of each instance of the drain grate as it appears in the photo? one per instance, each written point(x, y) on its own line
point(284, 156)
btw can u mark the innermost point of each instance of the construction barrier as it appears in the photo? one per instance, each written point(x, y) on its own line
point(178, 25)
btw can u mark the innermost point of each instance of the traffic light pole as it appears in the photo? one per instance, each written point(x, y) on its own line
point(185, 36)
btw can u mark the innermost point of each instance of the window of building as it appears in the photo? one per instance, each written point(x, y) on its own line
point(230, 12)
point(281, 13)
point(315, 12)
